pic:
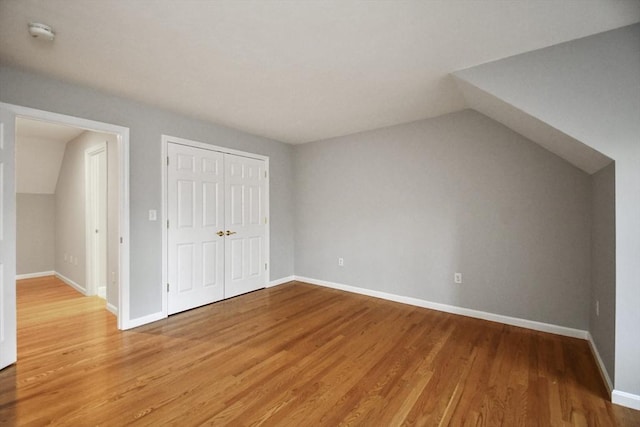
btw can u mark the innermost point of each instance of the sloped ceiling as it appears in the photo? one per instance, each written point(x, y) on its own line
point(39, 152)
point(554, 140)
point(294, 71)
point(580, 99)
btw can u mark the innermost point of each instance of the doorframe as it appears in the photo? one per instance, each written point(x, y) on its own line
point(91, 287)
point(166, 139)
point(122, 133)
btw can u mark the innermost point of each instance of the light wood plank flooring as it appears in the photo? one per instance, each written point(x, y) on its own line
point(297, 355)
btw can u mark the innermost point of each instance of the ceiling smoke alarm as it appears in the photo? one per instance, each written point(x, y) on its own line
point(39, 30)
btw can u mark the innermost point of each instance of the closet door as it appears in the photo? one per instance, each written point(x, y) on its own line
point(217, 226)
point(245, 225)
point(195, 230)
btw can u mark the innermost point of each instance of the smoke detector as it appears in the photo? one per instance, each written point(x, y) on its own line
point(41, 31)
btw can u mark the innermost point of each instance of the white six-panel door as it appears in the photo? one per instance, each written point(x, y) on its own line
point(196, 220)
point(8, 345)
point(245, 218)
point(217, 226)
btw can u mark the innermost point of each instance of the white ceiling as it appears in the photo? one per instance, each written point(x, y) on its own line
point(295, 71)
point(39, 152)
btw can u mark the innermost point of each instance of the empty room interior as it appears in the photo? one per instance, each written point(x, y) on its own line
point(320, 212)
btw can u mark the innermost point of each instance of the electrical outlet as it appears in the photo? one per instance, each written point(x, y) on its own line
point(66, 258)
point(457, 277)
point(598, 308)
point(341, 262)
point(153, 215)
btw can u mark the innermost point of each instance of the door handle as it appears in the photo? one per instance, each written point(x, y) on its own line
point(229, 233)
point(220, 233)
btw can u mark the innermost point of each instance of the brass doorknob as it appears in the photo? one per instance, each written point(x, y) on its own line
point(220, 233)
point(229, 233)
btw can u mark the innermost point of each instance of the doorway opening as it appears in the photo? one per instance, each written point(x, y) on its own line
point(100, 191)
point(67, 207)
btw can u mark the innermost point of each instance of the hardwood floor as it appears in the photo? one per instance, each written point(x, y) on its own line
point(297, 355)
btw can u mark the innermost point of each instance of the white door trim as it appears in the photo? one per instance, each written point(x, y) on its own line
point(166, 139)
point(124, 320)
point(90, 254)
point(8, 319)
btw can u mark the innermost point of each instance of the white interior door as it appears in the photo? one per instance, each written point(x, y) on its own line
point(8, 349)
point(195, 186)
point(217, 225)
point(96, 194)
point(245, 225)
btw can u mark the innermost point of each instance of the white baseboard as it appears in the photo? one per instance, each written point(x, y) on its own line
point(600, 363)
point(281, 281)
point(102, 292)
point(514, 321)
point(71, 283)
point(139, 321)
point(626, 399)
point(112, 308)
point(35, 275)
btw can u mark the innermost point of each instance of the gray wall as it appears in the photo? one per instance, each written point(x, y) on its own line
point(35, 224)
point(70, 211)
point(590, 89)
point(603, 265)
point(146, 125)
point(407, 206)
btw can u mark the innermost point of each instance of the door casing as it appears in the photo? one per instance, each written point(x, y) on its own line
point(122, 133)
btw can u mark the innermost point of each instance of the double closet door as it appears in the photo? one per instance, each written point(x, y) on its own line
point(216, 226)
